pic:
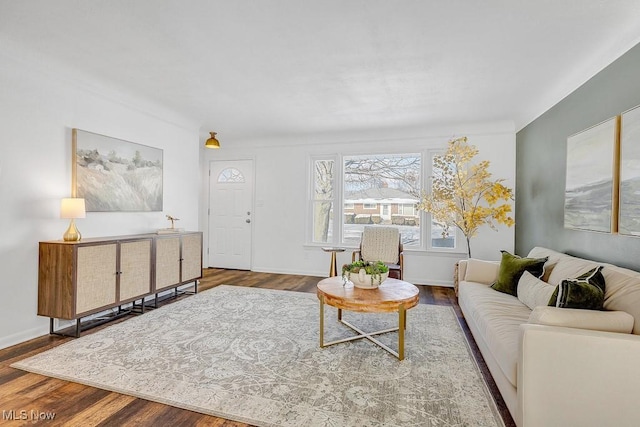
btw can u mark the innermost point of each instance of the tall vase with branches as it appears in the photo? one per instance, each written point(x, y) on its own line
point(462, 193)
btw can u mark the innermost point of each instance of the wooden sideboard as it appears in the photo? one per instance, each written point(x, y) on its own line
point(78, 279)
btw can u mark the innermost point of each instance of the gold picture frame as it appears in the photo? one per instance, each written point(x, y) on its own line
point(629, 212)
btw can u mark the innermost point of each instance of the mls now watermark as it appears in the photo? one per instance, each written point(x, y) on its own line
point(27, 415)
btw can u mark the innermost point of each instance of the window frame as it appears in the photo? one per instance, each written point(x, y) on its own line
point(312, 200)
point(337, 220)
point(427, 216)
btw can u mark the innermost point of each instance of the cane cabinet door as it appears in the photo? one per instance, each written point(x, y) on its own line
point(96, 277)
point(135, 269)
point(191, 257)
point(167, 262)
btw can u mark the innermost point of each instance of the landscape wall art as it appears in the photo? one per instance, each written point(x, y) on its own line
point(114, 175)
point(629, 221)
point(591, 183)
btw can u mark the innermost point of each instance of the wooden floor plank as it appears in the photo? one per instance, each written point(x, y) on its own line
point(80, 405)
point(99, 411)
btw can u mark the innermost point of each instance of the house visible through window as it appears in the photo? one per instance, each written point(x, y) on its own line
point(378, 187)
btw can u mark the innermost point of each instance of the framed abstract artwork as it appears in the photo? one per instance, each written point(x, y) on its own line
point(629, 219)
point(114, 175)
point(591, 188)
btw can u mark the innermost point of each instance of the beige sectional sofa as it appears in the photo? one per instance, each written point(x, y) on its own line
point(559, 366)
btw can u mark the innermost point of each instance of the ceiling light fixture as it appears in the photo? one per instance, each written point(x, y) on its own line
point(212, 142)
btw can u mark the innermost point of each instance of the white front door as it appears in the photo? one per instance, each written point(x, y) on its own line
point(230, 213)
point(386, 212)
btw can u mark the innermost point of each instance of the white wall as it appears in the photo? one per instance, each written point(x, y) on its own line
point(281, 188)
point(39, 105)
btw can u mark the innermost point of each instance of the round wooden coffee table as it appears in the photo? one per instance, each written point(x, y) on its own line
point(390, 297)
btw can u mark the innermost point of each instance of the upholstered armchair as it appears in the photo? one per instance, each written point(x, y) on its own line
point(381, 244)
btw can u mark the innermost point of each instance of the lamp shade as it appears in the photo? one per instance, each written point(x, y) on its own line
point(212, 142)
point(72, 208)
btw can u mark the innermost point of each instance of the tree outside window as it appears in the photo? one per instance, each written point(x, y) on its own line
point(323, 195)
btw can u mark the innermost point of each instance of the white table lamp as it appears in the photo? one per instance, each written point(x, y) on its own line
point(72, 208)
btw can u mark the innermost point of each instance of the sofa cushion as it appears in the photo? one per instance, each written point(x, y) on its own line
point(554, 257)
point(481, 271)
point(512, 267)
point(606, 321)
point(623, 292)
point(497, 316)
point(568, 267)
point(585, 291)
point(534, 292)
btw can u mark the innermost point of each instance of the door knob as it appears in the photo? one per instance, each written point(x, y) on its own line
point(248, 221)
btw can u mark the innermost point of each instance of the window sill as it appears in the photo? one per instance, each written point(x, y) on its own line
point(407, 251)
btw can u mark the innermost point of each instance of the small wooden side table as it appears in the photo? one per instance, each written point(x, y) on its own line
point(333, 269)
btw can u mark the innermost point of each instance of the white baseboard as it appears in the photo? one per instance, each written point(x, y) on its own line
point(323, 273)
point(23, 336)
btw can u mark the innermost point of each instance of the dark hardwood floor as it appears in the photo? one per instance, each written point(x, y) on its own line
point(79, 405)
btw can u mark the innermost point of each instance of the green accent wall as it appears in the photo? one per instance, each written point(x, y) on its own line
point(541, 161)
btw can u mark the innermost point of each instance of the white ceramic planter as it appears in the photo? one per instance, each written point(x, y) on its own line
point(365, 281)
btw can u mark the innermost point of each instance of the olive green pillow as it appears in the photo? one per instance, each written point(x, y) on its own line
point(585, 291)
point(512, 267)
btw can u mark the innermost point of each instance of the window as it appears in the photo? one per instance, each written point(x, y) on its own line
point(322, 200)
point(373, 180)
point(406, 209)
point(441, 235)
point(350, 192)
point(230, 175)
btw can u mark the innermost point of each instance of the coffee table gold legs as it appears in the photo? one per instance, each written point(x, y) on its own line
point(321, 321)
point(402, 323)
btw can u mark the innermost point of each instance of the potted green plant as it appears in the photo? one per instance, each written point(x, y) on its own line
point(363, 274)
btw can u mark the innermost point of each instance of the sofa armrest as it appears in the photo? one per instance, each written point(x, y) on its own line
point(461, 270)
point(574, 377)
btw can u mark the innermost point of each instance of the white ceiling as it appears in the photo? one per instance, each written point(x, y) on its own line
point(285, 67)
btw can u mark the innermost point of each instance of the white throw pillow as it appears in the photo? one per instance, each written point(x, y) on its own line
point(533, 292)
point(481, 271)
point(607, 321)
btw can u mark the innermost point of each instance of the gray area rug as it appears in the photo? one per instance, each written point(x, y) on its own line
point(252, 355)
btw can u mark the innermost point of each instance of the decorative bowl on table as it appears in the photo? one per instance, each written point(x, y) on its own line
point(365, 275)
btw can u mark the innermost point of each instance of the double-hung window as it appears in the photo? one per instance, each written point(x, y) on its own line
point(322, 199)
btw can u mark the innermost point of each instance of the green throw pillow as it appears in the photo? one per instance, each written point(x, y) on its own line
point(585, 291)
point(512, 267)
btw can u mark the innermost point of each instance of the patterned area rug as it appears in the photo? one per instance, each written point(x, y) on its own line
point(252, 355)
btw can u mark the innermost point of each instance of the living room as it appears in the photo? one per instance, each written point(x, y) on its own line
point(47, 90)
